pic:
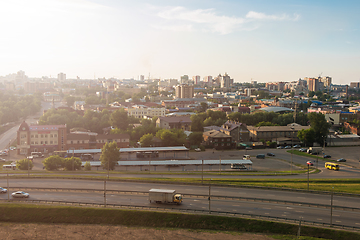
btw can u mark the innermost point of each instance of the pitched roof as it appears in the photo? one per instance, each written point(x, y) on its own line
point(176, 119)
point(216, 134)
point(46, 127)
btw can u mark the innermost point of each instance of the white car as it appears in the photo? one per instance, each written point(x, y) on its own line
point(20, 194)
point(197, 149)
point(2, 159)
point(3, 190)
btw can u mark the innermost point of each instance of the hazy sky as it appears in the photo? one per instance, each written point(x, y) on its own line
point(263, 40)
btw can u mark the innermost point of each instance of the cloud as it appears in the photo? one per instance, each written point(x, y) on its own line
point(262, 16)
point(182, 19)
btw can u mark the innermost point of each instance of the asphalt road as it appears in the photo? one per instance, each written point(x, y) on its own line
point(321, 215)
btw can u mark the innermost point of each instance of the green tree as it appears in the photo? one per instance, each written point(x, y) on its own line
point(72, 163)
point(87, 166)
point(196, 123)
point(320, 126)
point(70, 100)
point(203, 106)
point(24, 164)
point(146, 140)
point(119, 119)
point(53, 163)
point(306, 136)
point(195, 138)
point(110, 155)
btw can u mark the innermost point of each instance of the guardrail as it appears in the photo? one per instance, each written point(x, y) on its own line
point(109, 191)
point(234, 214)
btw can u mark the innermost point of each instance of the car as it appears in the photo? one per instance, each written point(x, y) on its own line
point(310, 163)
point(2, 159)
point(297, 146)
point(287, 147)
point(327, 156)
point(248, 148)
point(3, 190)
point(20, 194)
point(271, 154)
point(197, 149)
point(280, 147)
point(302, 150)
point(260, 156)
point(341, 160)
point(314, 153)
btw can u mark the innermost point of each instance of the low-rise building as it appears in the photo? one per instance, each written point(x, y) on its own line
point(218, 140)
point(178, 122)
point(273, 133)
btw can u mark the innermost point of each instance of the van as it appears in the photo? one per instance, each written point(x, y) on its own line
point(260, 156)
point(37, 154)
point(246, 157)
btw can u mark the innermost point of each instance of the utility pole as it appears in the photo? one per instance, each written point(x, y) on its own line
point(202, 171)
point(210, 197)
point(308, 175)
point(105, 193)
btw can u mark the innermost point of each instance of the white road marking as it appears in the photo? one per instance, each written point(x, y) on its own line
point(267, 213)
point(289, 208)
point(267, 208)
point(250, 211)
point(195, 200)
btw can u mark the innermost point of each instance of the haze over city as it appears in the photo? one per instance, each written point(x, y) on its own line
point(259, 40)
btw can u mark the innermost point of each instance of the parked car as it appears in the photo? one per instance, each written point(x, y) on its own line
point(302, 149)
point(271, 154)
point(297, 146)
point(310, 163)
point(260, 156)
point(2, 159)
point(20, 194)
point(327, 156)
point(280, 147)
point(248, 148)
point(3, 190)
point(341, 160)
point(287, 147)
point(197, 149)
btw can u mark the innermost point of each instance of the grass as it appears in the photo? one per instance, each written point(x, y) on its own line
point(24, 213)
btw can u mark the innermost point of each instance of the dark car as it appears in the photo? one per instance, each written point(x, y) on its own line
point(260, 156)
point(341, 160)
point(327, 156)
point(271, 154)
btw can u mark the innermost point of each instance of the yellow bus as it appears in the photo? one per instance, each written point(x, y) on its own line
point(332, 166)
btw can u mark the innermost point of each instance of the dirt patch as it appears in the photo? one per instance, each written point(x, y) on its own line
point(63, 231)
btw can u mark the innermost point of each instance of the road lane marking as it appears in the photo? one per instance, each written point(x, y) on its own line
point(320, 219)
point(357, 223)
point(338, 221)
point(267, 213)
point(289, 208)
point(267, 208)
point(236, 205)
point(299, 211)
point(336, 215)
point(283, 215)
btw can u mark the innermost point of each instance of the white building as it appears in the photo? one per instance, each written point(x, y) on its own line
point(141, 111)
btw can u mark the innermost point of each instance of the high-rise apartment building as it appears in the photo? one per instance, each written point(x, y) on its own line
point(61, 77)
point(196, 79)
point(184, 79)
point(355, 84)
point(226, 81)
point(184, 91)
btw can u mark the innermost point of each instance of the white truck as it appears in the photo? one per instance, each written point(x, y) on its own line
point(164, 196)
point(314, 150)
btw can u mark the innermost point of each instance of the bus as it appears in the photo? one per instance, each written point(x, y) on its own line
point(332, 166)
point(237, 166)
point(11, 167)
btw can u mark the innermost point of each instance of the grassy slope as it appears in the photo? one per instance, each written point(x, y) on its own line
point(23, 213)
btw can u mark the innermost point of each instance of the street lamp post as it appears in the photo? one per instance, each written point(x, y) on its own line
point(292, 128)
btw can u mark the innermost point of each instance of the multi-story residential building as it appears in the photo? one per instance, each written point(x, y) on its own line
point(40, 138)
point(217, 140)
point(50, 138)
point(273, 133)
point(181, 102)
point(355, 85)
point(225, 81)
point(37, 86)
point(184, 91)
point(61, 77)
point(184, 79)
point(238, 131)
point(196, 79)
point(178, 122)
point(141, 111)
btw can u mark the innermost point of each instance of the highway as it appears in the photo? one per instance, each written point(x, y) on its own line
point(340, 217)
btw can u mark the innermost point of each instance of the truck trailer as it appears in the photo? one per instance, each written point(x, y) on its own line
point(164, 196)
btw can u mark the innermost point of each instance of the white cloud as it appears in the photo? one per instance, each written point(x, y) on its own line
point(179, 19)
point(263, 16)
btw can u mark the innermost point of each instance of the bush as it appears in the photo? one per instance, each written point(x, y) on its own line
point(53, 163)
point(87, 166)
point(202, 148)
point(24, 164)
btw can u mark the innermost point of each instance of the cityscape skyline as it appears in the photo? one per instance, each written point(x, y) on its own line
point(257, 40)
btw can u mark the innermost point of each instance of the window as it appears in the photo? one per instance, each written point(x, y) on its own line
point(55, 142)
point(46, 135)
point(23, 135)
point(36, 136)
point(71, 142)
point(45, 142)
point(55, 135)
point(51, 142)
point(51, 135)
point(41, 142)
point(32, 143)
point(32, 136)
point(42, 135)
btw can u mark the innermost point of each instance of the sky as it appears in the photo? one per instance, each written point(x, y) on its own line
point(261, 40)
